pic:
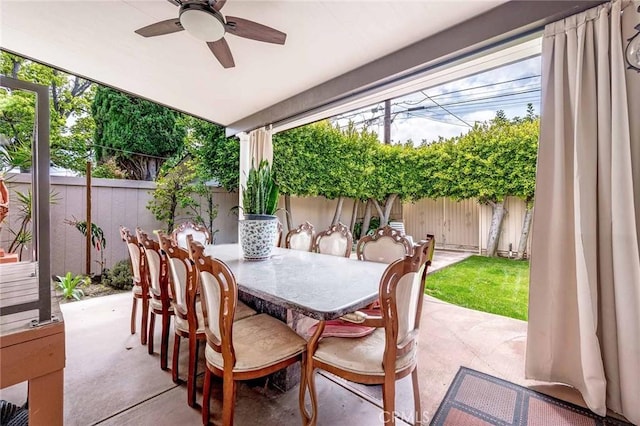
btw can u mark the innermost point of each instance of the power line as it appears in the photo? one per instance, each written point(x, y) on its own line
point(444, 108)
point(128, 152)
point(470, 105)
point(373, 110)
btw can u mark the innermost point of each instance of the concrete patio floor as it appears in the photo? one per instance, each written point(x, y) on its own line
point(110, 378)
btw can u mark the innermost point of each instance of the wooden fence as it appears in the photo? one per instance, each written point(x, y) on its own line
point(456, 225)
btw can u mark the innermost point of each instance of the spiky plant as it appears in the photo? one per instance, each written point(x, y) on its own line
point(260, 195)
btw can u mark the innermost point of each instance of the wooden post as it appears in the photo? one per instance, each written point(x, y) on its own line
point(88, 239)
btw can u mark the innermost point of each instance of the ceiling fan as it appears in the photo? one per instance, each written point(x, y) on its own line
point(203, 20)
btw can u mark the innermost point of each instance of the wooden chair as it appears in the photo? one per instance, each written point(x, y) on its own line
point(198, 232)
point(188, 316)
point(390, 352)
point(160, 303)
point(385, 245)
point(336, 241)
point(278, 240)
point(300, 238)
point(242, 350)
point(140, 290)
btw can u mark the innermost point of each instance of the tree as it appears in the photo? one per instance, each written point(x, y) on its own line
point(71, 125)
point(490, 162)
point(321, 160)
point(173, 196)
point(139, 135)
point(218, 157)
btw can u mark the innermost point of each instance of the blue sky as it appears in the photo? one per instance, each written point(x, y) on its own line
point(449, 109)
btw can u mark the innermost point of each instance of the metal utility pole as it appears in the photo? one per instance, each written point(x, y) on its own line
point(387, 121)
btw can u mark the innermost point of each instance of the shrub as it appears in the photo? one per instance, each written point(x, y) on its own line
point(119, 276)
point(69, 285)
point(374, 224)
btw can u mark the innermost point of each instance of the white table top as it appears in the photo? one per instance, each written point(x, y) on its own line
point(319, 286)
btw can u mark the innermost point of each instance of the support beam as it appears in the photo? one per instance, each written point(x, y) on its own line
point(498, 26)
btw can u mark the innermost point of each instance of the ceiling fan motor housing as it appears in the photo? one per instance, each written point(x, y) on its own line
point(202, 22)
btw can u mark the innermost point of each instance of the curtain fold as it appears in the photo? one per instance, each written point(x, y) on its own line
point(261, 146)
point(584, 305)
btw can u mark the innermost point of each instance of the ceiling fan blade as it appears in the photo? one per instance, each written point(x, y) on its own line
point(249, 29)
point(218, 4)
point(221, 51)
point(161, 28)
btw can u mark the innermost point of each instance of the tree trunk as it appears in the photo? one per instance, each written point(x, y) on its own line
point(354, 216)
point(376, 204)
point(386, 212)
point(498, 213)
point(287, 208)
point(338, 213)
point(524, 235)
point(387, 208)
point(366, 220)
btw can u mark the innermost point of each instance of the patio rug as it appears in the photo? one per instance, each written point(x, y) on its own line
point(478, 399)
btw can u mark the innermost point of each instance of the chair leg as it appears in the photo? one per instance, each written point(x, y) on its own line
point(134, 309)
point(416, 397)
point(228, 400)
point(311, 385)
point(145, 319)
point(175, 358)
point(303, 389)
point(389, 401)
point(152, 326)
point(164, 342)
point(206, 396)
point(191, 375)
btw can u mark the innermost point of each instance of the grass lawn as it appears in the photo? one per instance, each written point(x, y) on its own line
point(499, 286)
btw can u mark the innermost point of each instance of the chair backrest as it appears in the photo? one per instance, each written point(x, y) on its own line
point(385, 245)
point(177, 259)
point(300, 238)
point(219, 292)
point(278, 239)
point(199, 233)
point(156, 266)
point(136, 255)
point(183, 282)
point(401, 294)
point(398, 226)
point(336, 241)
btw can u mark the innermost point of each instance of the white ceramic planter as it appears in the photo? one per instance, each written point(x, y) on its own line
point(257, 236)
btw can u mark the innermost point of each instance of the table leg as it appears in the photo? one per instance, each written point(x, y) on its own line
point(46, 399)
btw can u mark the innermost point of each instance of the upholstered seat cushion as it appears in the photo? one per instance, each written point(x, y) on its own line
point(362, 355)
point(242, 311)
point(260, 341)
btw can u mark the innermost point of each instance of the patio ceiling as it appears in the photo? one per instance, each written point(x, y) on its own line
point(334, 49)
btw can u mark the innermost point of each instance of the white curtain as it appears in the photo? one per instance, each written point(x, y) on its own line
point(584, 307)
point(260, 146)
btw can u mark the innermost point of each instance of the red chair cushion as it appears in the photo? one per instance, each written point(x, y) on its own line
point(340, 328)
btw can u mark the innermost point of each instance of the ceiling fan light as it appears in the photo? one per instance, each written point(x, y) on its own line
point(202, 23)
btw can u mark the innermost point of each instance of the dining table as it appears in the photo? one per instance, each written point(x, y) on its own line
point(300, 287)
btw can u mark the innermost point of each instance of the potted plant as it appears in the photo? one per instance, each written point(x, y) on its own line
point(259, 227)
